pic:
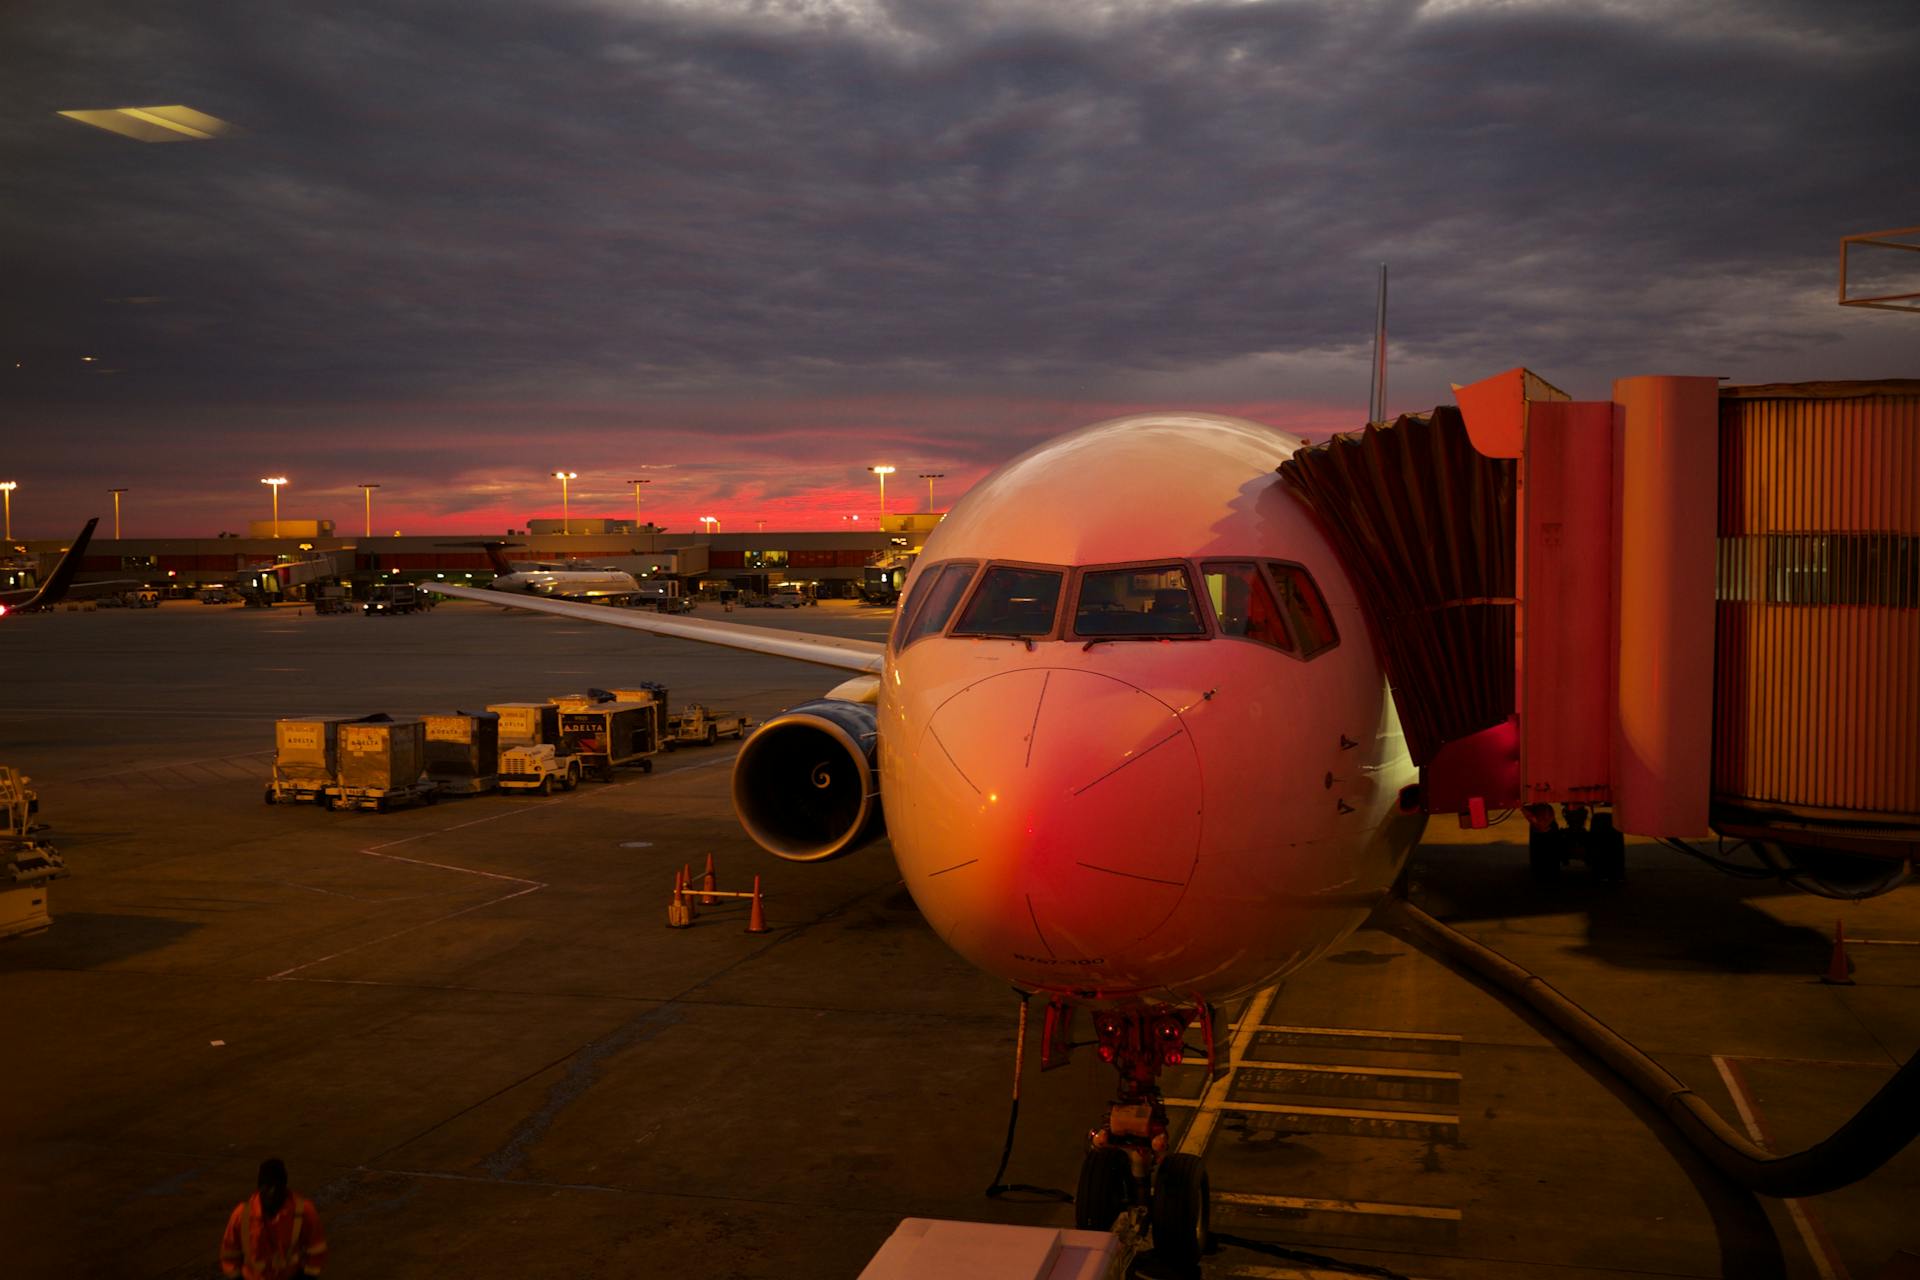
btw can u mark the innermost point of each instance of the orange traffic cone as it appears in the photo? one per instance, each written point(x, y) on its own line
point(707, 885)
point(679, 912)
point(1839, 968)
point(757, 918)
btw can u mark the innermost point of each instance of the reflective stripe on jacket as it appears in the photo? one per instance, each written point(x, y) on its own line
point(289, 1244)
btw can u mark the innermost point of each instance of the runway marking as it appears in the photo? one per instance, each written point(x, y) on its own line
point(1399, 1041)
point(1806, 1220)
point(1213, 1098)
point(531, 886)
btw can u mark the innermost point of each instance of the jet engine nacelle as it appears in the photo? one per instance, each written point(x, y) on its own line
point(805, 784)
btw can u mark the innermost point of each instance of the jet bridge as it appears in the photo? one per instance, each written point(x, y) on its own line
point(1694, 608)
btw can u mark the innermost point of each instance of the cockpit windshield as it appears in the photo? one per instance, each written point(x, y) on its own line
point(1012, 601)
point(1146, 600)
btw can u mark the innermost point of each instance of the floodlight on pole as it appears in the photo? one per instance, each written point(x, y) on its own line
point(930, 477)
point(274, 483)
point(636, 501)
point(883, 472)
point(367, 489)
point(116, 512)
point(566, 517)
point(6, 489)
point(712, 523)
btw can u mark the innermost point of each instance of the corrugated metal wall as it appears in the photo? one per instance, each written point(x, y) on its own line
point(1817, 663)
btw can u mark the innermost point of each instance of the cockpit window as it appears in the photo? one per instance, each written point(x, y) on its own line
point(1243, 605)
point(1012, 602)
point(1304, 607)
point(1151, 600)
point(934, 597)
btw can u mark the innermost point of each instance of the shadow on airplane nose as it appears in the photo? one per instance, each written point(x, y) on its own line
point(1079, 794)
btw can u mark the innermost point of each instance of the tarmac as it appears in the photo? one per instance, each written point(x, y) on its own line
point(470, 1034)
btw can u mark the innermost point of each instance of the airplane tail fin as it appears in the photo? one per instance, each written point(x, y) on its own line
point(54, 589)
point(496, 554)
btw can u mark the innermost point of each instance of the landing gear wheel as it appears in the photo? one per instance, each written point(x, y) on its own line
point(1105, 1191)
point(1606, 851)
point(1182, 1210)
point(1543, 854)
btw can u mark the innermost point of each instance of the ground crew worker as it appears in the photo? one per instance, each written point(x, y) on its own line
point(273, 1234)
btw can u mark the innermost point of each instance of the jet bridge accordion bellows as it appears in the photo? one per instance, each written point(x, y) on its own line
point(1425, 525)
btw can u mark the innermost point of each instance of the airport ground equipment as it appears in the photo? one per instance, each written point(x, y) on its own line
point(30, 864)
point(18, 804)
point(537, 766)
point(463, 752)
point(306, 757)
point(698, 724)
point(332, 599)
point(382, 764)
point(933, 1249)
point(681, 906)
point(392, 598)
point(609, 735)
point(527, 723)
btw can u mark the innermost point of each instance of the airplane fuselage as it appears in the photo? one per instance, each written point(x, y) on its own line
point(1125, 801)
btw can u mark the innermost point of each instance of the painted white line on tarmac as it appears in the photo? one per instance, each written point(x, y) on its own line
point(1813, 1233)
point(1200, 1131)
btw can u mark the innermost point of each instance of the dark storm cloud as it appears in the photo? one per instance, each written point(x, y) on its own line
point(606, 204)
point(473, 193)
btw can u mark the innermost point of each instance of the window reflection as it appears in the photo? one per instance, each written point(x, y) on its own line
point(1243, 606)
point(937, 595)
point(1012, 602)
point(1304, 607)
point(1153, 600)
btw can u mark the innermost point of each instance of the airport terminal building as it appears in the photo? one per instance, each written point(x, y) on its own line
point(831, 564)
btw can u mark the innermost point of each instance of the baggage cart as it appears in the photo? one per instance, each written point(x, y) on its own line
point(463, 752)
point(699, 725)
point(382, 764)
point(306, 757)
point(611, 735)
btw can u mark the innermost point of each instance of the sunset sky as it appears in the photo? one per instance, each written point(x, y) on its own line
point(758, 245)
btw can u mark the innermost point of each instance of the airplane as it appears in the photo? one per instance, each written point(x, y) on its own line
point(58, 583)
point(560, 579)
point(1132, 745)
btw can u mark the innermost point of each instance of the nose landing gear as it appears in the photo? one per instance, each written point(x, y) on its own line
point(1129, 1163)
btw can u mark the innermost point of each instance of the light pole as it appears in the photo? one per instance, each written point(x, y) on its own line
point(930, 477)
point(6, 490)
point(367, 489)
point(566, 519)
point(636, 501)
point(116, 512)
point(883, 472)
point(712, 523)
point(274, 483)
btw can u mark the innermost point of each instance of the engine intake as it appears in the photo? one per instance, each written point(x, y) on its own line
point(805, 786)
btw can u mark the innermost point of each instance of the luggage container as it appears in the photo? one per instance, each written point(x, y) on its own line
point(463, 752)
point(609, 735)
point(306, 759)
point(382, 764)
point(527, 723)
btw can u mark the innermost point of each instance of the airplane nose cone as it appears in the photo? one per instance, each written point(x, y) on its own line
point(1077, 796)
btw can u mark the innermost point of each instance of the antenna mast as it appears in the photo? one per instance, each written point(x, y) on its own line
point(1377, 391)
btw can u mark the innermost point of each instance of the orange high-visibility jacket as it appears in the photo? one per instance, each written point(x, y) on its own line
point(288, 1244)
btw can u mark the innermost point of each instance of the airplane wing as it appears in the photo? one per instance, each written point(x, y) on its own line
point(864, 656)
